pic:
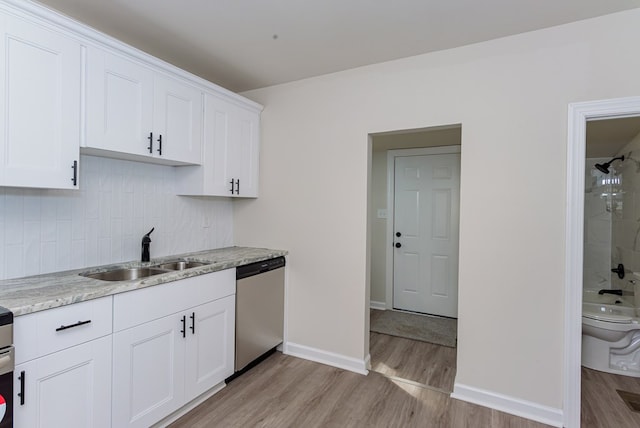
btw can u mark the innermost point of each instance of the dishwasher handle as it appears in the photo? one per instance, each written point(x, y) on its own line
point(259, 267)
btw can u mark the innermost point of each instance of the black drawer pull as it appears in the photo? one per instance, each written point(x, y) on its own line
point(21, 393)
point(79, 323)
point(184, 326)
point(193, 322)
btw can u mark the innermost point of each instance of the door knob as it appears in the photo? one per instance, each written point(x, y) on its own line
point(398, 234)
point(398, 245)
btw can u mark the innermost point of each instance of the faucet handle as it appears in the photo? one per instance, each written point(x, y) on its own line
point(146, 239)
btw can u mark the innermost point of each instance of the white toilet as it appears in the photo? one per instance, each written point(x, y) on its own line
point(611, 339)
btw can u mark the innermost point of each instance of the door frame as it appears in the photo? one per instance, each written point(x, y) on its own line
point(391, 181)
point(579, 114)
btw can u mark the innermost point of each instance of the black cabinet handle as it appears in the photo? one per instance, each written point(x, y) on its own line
point(150, 138)
point(184, 326)
point(193, 322)
point(398, 245)
point(238, 186)
point(78, 324)
point(21, 393)
point(232, 182)
point(74, 179)
point(398, 234)
point(160, 145)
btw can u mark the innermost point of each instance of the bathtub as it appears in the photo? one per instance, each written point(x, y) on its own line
point(608, 304)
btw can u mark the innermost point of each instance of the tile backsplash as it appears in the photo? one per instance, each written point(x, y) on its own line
point(44, 231)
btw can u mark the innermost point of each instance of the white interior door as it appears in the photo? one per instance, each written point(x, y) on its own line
point(426, 217)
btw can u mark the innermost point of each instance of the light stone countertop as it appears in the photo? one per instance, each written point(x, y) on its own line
point(36, 293)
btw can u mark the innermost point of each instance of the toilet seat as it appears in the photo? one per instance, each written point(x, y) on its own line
point(620, 319)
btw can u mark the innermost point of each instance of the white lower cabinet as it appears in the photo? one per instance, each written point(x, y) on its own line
point(124, 361)
point(210, 349)
point(147, 372)
point(162, 364)
point(69, 388)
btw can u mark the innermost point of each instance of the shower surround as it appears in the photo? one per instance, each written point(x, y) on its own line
point(612, 220)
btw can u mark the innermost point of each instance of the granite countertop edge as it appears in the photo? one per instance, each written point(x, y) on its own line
point(37, 293)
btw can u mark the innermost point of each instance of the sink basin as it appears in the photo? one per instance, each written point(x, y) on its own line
point(181, 265)
point(126, 274)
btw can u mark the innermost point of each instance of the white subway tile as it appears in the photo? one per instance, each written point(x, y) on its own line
point(119, 202)
point(14, 261)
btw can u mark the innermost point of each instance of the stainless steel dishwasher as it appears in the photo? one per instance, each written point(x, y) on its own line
point(259, 310)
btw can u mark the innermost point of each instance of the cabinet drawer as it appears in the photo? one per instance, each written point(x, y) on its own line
point(140, 306)
point(42, 333)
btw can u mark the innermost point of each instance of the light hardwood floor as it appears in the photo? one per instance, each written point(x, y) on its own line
point(285, 391)
point(421, 362)
point(602, 407)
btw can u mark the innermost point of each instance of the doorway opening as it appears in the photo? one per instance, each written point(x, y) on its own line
point(580, 117)
point(421, 269)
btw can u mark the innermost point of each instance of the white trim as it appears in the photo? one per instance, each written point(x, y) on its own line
point(328, 358)
point(579, 114)
point(166, 421)
point(381, 306)
point(504, 403)
point(391, 156)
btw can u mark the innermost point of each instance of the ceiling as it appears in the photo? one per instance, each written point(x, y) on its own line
point(248, 44)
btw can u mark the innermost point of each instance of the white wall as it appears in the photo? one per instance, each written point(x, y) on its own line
point(511, 97)
point(52, 230)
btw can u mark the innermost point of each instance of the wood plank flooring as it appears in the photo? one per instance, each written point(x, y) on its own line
point(421, 362)
point(285, 391)
point(601, 406)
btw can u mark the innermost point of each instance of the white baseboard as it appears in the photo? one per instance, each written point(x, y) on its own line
point(188, 407)
point(381, 306)
point(328, 358)
point(515, 406)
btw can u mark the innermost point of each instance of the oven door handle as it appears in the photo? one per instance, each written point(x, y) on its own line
point(6, 361)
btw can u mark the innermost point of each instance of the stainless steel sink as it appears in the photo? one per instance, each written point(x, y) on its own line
point(181, 265)
point(126, 274)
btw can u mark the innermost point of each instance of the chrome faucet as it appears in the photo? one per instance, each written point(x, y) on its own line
point(146, 241)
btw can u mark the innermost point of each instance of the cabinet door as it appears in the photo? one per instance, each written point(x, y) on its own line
point(231, 149)
point(210, 345)
point(245, 152)
point(148, 372)
point(119, 104)
point(40, 105)
point(178, 120)
point(217, 154)
point(69, 388)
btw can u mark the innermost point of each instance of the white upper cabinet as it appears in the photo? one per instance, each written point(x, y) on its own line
point(40, 78)
point(178, 120)
point(119, 104)
point(231, 152)
point(136, 113)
